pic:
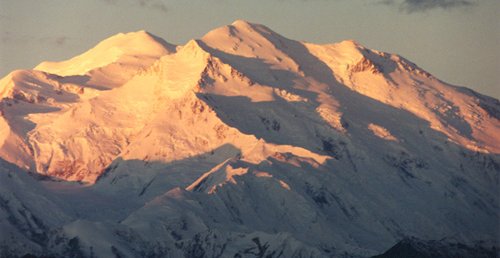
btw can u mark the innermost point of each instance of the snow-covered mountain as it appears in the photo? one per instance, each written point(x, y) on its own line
point(242, 143)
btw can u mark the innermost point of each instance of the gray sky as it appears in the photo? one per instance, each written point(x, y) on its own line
point(456, 40)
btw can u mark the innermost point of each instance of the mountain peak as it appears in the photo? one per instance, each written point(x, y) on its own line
point(139, 33)
point(240, 22)
point(242, 142)
point(350, 43)
point(110, 50)
point(241, 30)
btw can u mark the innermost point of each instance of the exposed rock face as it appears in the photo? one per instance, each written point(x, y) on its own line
point(412, 247)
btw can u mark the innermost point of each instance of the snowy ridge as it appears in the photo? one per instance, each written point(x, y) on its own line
point(121, 48)
point(242, 143)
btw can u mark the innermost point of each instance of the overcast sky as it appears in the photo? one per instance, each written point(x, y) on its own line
point(456, 40)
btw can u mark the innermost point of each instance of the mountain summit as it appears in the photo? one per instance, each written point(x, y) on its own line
point(242, 143)
point(119, 48)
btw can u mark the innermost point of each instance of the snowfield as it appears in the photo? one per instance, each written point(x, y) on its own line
point(244, 143)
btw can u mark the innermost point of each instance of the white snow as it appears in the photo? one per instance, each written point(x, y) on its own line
point(239, 140)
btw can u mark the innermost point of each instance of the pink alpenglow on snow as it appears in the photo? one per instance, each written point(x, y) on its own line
point(242, 142)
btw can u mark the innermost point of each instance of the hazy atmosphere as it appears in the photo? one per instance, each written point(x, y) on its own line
point(456, 41)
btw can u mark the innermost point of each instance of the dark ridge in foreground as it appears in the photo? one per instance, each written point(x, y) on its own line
point(416, 248)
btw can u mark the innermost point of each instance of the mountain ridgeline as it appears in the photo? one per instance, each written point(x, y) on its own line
point(245, 143)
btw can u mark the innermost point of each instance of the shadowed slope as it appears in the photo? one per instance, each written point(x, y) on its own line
point(245, 142)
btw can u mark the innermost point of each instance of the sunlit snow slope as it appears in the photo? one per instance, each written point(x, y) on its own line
point(242, 143)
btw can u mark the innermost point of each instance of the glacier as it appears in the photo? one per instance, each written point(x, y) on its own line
point(244, 143)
